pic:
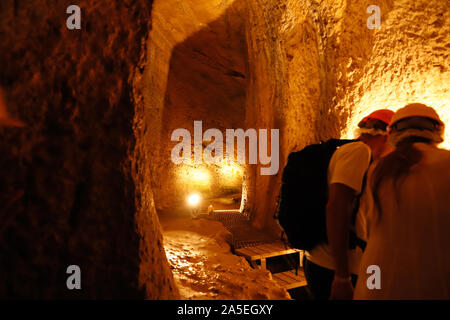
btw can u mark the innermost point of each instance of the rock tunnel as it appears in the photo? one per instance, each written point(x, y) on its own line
point(91, 169)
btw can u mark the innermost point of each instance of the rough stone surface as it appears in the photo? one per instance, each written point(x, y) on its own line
point(315, 69)
point(75, 158)
point(204, 267)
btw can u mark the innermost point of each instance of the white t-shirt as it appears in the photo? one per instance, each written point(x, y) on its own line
point(348, 166)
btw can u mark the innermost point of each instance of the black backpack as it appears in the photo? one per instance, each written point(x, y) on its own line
point(302, 201)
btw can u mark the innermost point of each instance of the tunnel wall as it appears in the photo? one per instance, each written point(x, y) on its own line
point(408, 62)
point(283, 66)
point(315, 69)
point(75, 160)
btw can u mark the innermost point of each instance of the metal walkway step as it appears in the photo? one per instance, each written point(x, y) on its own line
point(256, 246)
point(290, 279)
point(264, 251)
point(243, 233)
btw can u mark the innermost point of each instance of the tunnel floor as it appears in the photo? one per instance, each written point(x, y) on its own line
point(205, 268)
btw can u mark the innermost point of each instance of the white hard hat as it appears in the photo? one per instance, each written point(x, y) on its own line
point(416, 110)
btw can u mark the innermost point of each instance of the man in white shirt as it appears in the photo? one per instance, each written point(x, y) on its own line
point(331, 269)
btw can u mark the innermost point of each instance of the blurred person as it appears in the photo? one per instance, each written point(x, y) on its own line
point(409, 212)
point(331, 269)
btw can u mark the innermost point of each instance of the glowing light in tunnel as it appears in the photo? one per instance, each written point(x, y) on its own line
point(194, 177)
point(441, 109)
point(193, 199)
point(398, 83)
point(371, 102)
point(231, 175)
point(231, 170)
point(199, 175)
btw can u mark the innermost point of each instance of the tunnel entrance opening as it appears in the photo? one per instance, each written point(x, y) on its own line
point(204, 54)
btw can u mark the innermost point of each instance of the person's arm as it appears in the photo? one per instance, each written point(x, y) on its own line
point(338, 219)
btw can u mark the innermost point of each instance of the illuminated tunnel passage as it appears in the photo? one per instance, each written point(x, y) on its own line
point(88, 177)
point(206, 83)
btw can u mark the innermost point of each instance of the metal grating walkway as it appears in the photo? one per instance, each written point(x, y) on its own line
point(244, 234)
point(255, 246)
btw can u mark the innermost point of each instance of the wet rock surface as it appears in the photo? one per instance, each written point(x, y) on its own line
point(205, 268)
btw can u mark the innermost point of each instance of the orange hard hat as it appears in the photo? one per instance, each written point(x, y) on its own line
point(416, 110)
point(384, 115)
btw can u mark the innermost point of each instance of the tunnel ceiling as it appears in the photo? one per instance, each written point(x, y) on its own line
point(207, 76)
